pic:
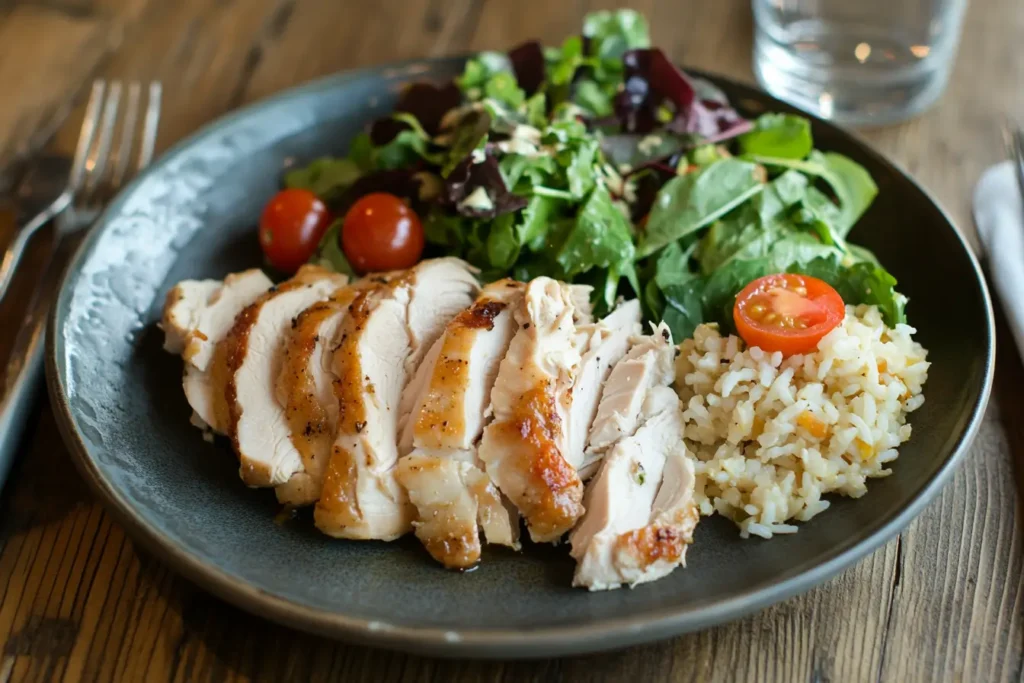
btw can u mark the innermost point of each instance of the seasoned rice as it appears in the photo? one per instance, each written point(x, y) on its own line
point(772, 436)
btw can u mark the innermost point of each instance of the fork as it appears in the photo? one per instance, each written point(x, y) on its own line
point(91, 187)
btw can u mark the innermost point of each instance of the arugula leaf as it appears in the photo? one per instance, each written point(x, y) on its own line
point(534, 221)
point(327, 178)
point(686, 204)
point(446, 229)
point(594, 99)
point(579, 169)
point(536, 170)
point(480, 69)
point(786, 136)
point(328, 253)
point(599, 238)
point(611, 34)
point(502, 242)
point(503, 87)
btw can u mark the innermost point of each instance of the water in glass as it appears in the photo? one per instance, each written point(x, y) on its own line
point(859, 62)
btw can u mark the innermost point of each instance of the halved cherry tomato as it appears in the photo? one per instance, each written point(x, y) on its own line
point(381, 232)
point(787, 312)
point(291, 226)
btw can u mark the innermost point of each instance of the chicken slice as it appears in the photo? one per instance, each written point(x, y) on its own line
point(251, 356)
point(646, 366)
point(524, 447)
point(640, 509)
point(385, 326)
point(198, 314)
point(445, 482)
point(305, 389)
point(603, 344)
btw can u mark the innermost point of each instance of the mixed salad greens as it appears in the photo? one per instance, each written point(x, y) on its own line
point(599, 161)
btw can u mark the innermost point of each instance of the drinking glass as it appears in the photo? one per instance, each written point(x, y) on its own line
point(857, 62)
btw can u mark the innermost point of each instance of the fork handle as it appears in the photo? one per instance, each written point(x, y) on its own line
point(16, 249)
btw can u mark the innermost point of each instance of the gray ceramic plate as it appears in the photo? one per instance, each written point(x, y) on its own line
point(119, 403)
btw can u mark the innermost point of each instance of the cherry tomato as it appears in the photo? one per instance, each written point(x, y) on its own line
point(787, 312)
point(381, 232)
point(291, 226)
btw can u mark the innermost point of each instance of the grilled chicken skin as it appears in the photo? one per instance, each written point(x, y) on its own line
point(640, 509)
point(305, 389)
point(197, 316)
point(442, 475)
point(385, 326)
point(251, 356)
point(524, 447)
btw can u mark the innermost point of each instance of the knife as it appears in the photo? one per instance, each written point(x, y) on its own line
point(23, 365)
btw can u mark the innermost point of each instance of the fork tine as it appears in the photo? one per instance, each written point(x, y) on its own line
point(124, 147)
point(97, 163)
point(86, 134)
point(150, 124)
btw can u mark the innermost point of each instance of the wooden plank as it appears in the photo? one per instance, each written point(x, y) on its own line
point(80, 602)
point(49, 53)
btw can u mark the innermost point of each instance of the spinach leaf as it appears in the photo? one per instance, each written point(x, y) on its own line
point(851, 183)
point(684, 307)
point(327, 178)
point(786, 136)
point(863, 282)
point(599, 238)
point(328, 253)
point(686, 204)
point(405, 150)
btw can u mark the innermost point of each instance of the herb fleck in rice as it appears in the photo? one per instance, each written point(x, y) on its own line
point(771, 435)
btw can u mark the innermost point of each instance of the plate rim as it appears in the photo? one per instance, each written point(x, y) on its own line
point(612, 633)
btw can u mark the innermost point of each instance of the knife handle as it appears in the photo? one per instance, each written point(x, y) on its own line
point(25, 365)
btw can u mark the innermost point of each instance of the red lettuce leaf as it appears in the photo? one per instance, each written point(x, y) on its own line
point(528, 64)
point(652, 81)
point(426, 101)
point(468, 176)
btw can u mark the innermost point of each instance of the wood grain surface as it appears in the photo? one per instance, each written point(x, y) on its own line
point(79, 601)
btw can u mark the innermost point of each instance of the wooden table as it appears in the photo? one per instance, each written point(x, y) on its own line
point(80, 601)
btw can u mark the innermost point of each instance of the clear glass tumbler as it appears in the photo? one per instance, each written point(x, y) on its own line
point(857, 62)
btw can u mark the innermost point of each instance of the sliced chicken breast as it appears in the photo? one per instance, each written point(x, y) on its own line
point(198, 314)
point(648, 364)
point(524, 447)
point(253, 354)
point(442, 475)
point(305, 389)
point(385, 326)
point(640, 509)
point(603, 344)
